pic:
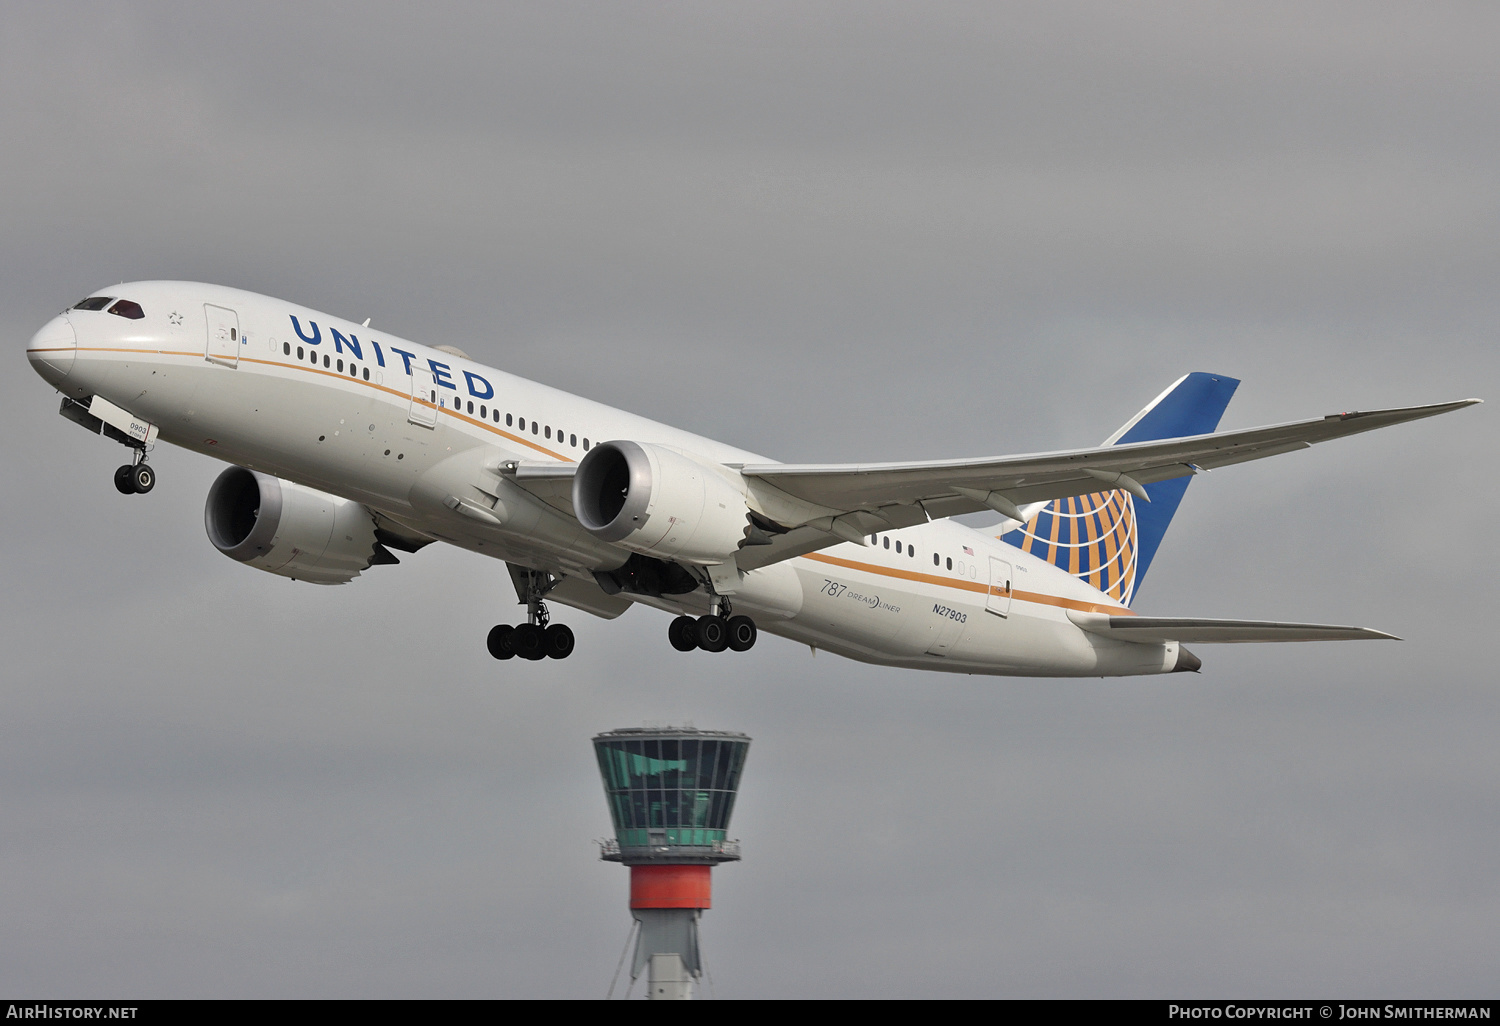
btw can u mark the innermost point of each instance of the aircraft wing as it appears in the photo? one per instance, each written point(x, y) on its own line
point(857, 499)
point(1054, 475)
point(1200, 631)
point(812, 506)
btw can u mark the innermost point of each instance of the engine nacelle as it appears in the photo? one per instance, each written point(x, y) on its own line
point(660, 502)
point(287, 529)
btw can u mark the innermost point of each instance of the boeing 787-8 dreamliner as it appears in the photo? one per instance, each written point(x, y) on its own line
point(345, 443)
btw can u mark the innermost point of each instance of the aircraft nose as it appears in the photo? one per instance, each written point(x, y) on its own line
point(52, 349)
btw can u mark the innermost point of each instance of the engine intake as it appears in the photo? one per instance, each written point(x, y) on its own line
point(660, 502)
point(290, 530)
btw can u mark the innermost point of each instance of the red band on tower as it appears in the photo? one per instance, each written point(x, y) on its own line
point(670, 887)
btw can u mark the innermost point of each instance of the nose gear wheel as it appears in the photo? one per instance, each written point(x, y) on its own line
point(135, 478)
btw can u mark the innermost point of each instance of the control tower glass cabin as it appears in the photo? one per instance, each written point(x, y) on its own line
point(671, 792)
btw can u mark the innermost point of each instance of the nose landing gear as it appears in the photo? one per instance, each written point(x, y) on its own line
point(536, 638)
point(135, 478)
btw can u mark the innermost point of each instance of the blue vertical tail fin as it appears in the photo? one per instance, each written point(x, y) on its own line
point(1108, 539)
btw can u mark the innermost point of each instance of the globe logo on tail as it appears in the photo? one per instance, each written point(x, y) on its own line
point(1093, 537)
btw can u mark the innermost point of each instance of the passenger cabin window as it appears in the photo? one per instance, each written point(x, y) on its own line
point(125, 308)
point(95, 303)
point(573, 441)
point(934, 559)
point(507, 420)
point(534, 427)
point(885, 542)
point(549, 430)
point(286, 349)
point(521, 423)
point(950, 562)
point(585, 445)
point(367, 373)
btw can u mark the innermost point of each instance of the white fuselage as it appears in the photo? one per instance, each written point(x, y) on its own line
point(340, 417)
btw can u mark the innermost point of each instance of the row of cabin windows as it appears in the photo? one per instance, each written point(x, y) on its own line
point(312, 356)
point(485, 413)
point(519, 423)
point(911, 551)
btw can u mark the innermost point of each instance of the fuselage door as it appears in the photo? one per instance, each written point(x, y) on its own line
point(423, 398)
point(998, 601)
point(223, 335)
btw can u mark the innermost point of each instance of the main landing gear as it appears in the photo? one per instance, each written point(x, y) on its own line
point(135, 478)
point(535, 639)
point(714, 632)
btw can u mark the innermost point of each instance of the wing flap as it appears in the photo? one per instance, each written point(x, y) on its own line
point(1200, 631)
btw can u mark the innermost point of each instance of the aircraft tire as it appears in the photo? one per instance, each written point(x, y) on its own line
point(742, 633)
point(142, 478)
point(712, 632)
point(528, 642)
point(683, 634)
point(124, 482)
point(499, 641)
point(558, 641)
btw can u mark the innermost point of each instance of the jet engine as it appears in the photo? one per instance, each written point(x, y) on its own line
point(290, 530)
point(660, 502)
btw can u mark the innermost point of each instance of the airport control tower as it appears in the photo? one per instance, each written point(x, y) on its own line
point(671, 792)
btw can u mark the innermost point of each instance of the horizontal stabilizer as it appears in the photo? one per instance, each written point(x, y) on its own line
point(1199, 631)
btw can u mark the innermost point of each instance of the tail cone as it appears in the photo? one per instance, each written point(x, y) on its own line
point(1187, 662)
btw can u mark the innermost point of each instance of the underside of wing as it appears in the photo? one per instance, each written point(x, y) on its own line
point(1199, 631)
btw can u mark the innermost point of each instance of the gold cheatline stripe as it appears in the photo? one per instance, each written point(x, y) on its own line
point(983, 589)
point(340, 377)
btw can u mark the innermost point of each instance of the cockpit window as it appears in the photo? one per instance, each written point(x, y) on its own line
point(125, 308)
point(94, 303)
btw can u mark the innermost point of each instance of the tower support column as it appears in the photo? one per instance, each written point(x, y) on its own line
point(669, 979)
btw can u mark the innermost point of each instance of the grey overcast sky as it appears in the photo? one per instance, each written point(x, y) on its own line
point(823, 232)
